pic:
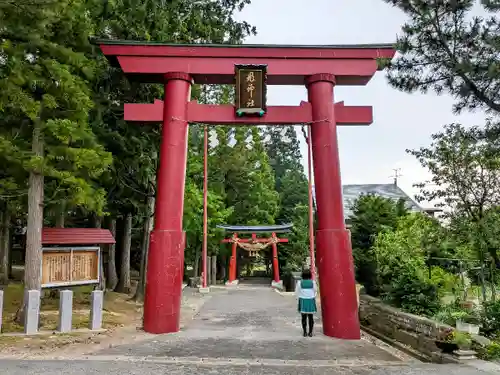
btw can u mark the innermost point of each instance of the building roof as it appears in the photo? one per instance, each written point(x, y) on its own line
point(352, 192)
point(76, 236)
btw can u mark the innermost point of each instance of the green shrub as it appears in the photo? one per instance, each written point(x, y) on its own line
point(444, 281)
point(401, 268)
point(372, 214)
point(413, 294)
point(490, 319)
point(462, 339)
point(490, 353)
point(450, 314)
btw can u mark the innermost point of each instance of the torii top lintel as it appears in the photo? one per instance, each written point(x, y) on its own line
point(214, 64)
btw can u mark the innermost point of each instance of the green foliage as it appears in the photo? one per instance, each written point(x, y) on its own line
point(443, 280)
point(401, 266)
point(371, 215)
point(444, 46)
point(450, 314)
point(293, 254)
point(283, 148)
point(491, 352)
point(44, 80)
point(96, 163)
point(490, 324)
point(462, 339)
point(412, 292)
point(465, 167)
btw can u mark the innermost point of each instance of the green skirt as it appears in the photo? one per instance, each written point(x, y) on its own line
point(307, 305)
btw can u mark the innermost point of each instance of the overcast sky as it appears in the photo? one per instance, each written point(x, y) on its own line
point(401, 121)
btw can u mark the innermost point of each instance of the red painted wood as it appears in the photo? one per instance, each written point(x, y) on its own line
point(76, 236)
point(334, 255)
point(312, 253)
point(353, 115)
point(166, 253)
point(162, 300)
point(251, 51)
point(221, 70)
point(341, 65)
point(276, 269)
point(205, 206)
point(225, 114)
point(232, 262)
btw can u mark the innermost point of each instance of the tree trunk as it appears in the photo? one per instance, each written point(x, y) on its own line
point(102, 278)
point(146, 232)
point(223, 267)
point(124, 285)
point(214, 269)
point(61, 215)
point(196, 267)
point(209, 272)
point(112, 276)
point(492, 281)
point(4, 247)
point(2, 250)
point(32, 267)
point(11, 275)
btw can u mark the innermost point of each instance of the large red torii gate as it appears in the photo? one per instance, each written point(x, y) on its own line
point(319, 68)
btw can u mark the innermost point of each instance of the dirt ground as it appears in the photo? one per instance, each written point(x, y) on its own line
point(122, 322)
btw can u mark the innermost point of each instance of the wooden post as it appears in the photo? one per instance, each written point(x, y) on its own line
point(214, 269)
point(311, 205)
point(205, 209)
point(207, 275)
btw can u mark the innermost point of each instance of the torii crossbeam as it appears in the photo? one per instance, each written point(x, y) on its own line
point(225, 115)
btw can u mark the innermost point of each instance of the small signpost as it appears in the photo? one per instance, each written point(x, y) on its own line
point(70, 266)
point(251, 90)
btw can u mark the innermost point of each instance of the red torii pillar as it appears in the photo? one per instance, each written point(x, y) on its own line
point(320, 68)
point(232, 262)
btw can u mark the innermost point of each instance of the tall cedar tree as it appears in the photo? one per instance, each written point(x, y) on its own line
point(283, 148)
point(45, 98)
point(371, 215)
point(136, 148)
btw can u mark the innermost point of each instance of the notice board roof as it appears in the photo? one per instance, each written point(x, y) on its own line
point(76, 236)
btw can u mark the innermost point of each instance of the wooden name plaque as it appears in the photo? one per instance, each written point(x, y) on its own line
point(250, 90)
point(70, 266)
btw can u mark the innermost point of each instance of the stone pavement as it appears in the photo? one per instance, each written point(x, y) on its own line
point(243, 330)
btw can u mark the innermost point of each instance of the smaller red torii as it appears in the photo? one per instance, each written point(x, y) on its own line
point(225, 115)
point(273, 240)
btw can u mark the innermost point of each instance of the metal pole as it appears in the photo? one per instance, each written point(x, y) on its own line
point(205, 208)
point(311, 204)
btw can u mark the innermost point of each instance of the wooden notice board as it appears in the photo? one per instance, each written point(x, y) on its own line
point(250, 90)
point(70, 266)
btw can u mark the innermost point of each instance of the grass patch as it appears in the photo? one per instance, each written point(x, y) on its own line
point(117, 310)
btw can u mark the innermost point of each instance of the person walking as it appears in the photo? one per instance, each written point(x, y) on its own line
point(306, 291)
